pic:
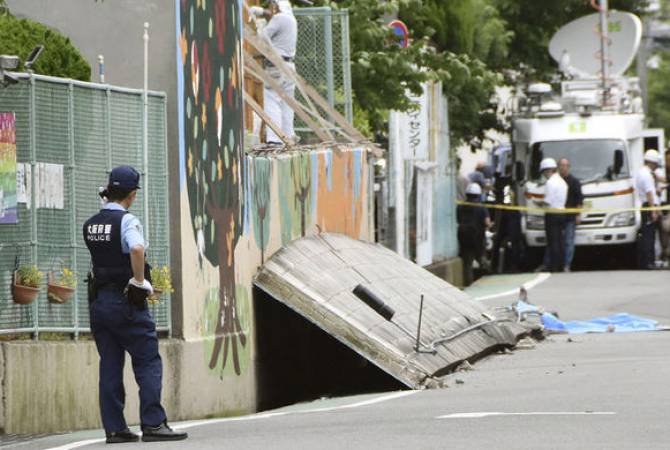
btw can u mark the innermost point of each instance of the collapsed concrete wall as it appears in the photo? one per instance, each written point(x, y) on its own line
point(370, 299)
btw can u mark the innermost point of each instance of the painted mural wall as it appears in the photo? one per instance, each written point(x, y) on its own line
point(238, 209)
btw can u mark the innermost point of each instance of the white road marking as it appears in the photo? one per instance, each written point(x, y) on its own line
point(540, 278)
point(196, 423)
point(78, 444)
point(480, 415)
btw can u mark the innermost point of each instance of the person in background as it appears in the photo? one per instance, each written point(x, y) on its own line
point(555, 197)
point(663, 224)
point(462, 181)
point(645, 188)
point(575, 200)
point(473, 221)
point(282, 33)
point(483, 176)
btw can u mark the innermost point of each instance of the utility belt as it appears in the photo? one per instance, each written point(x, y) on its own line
point(267, 63)
point(136, 297)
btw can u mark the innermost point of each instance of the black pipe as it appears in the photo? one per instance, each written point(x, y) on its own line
point(373, 301)
point(418, 328)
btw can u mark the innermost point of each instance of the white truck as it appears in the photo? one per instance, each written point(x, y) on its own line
point(605, 147)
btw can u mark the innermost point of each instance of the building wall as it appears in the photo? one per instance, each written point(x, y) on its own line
point(238, 209)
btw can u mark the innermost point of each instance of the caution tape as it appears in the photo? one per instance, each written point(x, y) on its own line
point(529, 209)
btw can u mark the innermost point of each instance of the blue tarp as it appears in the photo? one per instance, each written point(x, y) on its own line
point(618, 323)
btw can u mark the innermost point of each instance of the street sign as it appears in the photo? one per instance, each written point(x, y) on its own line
point(400, 30)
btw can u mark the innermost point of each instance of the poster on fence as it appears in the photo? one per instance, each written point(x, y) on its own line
point(49, 179)
point(8, 210)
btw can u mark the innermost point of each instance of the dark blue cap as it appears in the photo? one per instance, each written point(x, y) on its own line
point(124, 177)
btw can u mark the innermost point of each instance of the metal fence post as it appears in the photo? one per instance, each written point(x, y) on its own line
point(33, 197)
point(328, 42)
point(73, 205)
point(346, 66)
point(108, 112)
point(166, 217)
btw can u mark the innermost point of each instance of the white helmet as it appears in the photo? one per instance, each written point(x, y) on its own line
point(652, 156)
point(284, 6)
point(548, 163)
point(473, 189)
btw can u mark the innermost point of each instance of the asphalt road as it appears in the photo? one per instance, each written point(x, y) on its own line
point(584, 392)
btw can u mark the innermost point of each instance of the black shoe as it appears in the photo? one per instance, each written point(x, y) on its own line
point(121, 437)
point(161, 433)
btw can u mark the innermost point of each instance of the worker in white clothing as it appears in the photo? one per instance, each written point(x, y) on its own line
point(555, 197)
point(645, 187)
point(282, 33)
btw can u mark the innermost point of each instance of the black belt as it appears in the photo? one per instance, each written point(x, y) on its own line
point(111, 286)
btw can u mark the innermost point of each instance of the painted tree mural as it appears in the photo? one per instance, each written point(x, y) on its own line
point(261, 178)
point(211, 55)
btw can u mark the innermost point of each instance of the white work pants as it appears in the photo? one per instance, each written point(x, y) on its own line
point(276, 108)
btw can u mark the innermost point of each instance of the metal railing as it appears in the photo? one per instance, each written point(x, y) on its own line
point(83, 130)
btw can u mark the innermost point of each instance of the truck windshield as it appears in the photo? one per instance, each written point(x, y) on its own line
point(590, 160)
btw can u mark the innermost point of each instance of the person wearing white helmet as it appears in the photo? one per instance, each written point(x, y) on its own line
point(282, 33)
point(473, 221)
point(555, 197)
point(645, 187)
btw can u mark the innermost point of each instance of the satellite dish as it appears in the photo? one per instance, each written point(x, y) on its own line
point(578, 44)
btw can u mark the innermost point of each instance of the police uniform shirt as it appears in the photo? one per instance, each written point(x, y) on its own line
point(132, 233)
point(556, 192)
point(644, 183)
point(282, 32)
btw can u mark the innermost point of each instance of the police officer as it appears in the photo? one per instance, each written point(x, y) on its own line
point(555, 197)
point(645, 187)
point(116, 243)
point(473, 221)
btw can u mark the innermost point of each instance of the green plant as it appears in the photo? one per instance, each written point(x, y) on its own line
point(161, 280)
point(60, 58)
point(29, 276)
point(67, 278)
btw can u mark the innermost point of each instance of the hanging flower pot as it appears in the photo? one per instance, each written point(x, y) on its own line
point(162, 282)
point(25, 285)
point(60, 291)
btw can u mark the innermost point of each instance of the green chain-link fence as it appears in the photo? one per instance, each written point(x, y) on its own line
point(322, 57)
point(82, 130)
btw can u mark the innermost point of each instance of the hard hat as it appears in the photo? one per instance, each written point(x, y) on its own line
point(652, 156)
point(283, 5)
point(473, 189)
point(548, 163)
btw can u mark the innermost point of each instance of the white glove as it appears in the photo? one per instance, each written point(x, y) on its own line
point(257, 11)
point(142, 285)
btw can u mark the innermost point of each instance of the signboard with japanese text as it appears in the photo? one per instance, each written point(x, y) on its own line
point(413, 128)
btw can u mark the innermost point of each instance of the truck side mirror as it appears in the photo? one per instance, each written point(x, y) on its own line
point(519, 171)
point(618, 161)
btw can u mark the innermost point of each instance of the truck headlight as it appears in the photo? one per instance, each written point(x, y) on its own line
point(623, 219)
point(534, 222)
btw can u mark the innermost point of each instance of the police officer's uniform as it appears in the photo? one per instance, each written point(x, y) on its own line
point(117, 325)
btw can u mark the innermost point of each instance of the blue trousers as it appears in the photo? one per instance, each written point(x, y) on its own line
point(570, 229)
point(117, 328)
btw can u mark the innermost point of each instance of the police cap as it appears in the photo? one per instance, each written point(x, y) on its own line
point(124, 177)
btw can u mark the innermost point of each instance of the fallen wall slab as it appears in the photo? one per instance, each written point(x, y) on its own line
point(316, 276)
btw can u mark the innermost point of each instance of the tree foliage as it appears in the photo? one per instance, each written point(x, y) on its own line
point(59, 58)
point(659, 94)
